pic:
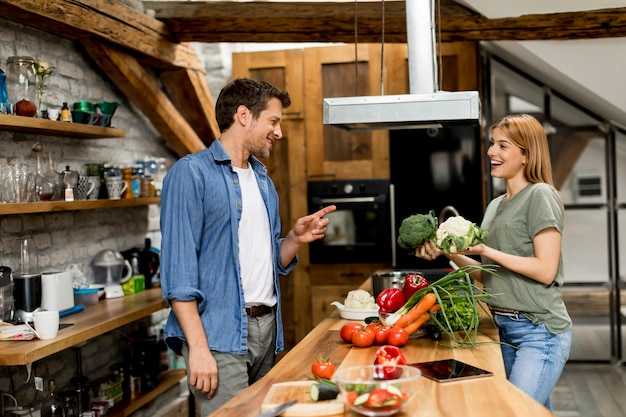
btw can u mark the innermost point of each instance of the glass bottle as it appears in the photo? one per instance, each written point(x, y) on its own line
point(21, 85)
point(66, 114)
point(46, 180)
point(4, 102)
point(53, 407)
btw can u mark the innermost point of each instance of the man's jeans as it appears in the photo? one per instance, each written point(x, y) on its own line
point(236, 372)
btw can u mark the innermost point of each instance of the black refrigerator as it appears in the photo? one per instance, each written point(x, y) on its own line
point(431, 169)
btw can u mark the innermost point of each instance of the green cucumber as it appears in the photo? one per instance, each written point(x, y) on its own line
point(323, 391)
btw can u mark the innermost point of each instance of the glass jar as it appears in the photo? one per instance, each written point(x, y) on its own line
point(21, 92)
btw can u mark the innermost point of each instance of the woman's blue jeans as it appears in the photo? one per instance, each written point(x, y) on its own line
point(536, 357)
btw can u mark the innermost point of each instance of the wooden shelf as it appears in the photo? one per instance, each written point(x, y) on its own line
point(37, 126)
point(93, 321)
point(49, 206)
point(128, 406)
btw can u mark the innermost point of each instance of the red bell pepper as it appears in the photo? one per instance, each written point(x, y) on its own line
point(390, 300)
point(413, 283)
point(389, 357)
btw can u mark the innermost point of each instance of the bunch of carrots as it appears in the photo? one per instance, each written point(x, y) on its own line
point(440, 297)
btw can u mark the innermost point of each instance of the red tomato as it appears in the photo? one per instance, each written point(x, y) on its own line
point(380, 337)
point(323, 368)
point(348, 328)
point(363, 337)
point(380, 397)
point(351, 396)
point(397, 337)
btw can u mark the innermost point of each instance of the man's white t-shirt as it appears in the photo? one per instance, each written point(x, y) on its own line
point(255, 249)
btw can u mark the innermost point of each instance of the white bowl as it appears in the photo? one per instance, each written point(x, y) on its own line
point(353, 314)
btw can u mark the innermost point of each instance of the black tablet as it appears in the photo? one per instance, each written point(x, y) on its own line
point(450, 370)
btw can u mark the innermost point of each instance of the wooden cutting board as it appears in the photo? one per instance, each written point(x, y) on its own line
point(299, 390)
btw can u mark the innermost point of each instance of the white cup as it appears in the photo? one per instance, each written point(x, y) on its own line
point(115, 187)
point(46, 324)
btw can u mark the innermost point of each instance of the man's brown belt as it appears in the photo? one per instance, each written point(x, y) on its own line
point(258, 311)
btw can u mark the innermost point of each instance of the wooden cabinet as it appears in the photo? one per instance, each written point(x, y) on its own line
point(98, 319)
point(287, 168)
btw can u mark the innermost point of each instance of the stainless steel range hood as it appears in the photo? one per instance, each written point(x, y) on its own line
point(424, 107)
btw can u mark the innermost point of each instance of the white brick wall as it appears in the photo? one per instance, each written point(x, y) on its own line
point(65, 238)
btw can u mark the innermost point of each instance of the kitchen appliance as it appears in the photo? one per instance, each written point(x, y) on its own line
point(425, 107)
point(431, 169)
point(57, 291)
point(361, 228)
point(69, 179)
point(144, 262)
point(111, 270)
point(27, 281)
point(7, 305)
point(381, 280)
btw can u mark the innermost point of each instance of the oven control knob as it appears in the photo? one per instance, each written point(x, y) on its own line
point(348, 188)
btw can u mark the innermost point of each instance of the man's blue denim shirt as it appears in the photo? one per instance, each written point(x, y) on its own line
point(200, 213)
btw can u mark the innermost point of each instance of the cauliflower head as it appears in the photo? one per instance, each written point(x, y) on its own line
point(360, 300)
point(457, 234)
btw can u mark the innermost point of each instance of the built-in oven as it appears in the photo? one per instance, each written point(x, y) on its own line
point(362, 228)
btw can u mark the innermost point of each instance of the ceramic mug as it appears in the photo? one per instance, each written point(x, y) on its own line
point(86, 186)
point(46, 324)
point(115, 187)
point(95, 192)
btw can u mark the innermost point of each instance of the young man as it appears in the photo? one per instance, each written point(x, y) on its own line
point(222, 252)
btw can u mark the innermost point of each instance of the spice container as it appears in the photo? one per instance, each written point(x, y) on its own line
point(66, 114)
point(20, 79)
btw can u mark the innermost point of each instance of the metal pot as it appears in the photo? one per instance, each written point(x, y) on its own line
point(390, 279)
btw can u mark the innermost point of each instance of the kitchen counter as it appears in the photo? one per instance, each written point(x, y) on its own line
point(94, 320)
point(487, 396)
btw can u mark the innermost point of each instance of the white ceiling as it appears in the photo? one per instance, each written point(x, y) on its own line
point(590, 72)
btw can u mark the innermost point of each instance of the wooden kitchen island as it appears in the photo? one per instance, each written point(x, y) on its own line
point(482, 397)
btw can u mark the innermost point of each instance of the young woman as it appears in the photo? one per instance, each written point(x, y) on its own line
point(525, 227)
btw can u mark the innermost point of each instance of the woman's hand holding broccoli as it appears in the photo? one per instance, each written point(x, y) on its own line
point(429, 239)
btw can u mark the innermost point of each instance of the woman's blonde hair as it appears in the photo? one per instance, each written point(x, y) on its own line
point(529, 135)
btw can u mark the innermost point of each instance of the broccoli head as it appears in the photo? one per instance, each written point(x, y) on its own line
point(417, 229)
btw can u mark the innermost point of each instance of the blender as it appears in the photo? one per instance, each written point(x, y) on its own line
point(111, 270)
point(27, 281)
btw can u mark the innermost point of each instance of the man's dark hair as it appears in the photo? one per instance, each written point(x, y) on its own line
point(250, 93)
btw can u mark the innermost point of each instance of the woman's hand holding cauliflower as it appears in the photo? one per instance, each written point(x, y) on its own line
point(457, 234)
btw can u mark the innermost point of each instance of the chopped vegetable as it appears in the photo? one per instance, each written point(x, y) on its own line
point(390, 300)
point(360, 300)
point(324, 390)
point(416, 229)
point(457, 234)
point(390, 357)
point(412, 283)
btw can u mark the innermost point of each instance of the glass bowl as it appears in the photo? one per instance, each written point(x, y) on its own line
point(365, 390)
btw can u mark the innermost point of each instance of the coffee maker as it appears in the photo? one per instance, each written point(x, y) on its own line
point(27, 281)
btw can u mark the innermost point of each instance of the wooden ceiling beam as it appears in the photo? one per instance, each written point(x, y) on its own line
point(146, 38)
point(140, 86)
point(262, 21)
point(190, 93)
